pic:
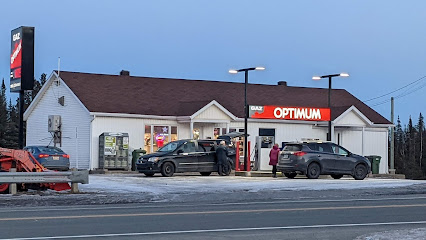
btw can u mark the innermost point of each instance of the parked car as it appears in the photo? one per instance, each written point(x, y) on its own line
point(321, 158)
point(181, 156)
point(50, 157)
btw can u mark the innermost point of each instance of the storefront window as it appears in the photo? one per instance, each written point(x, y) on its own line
point(161, 137)
point(232, 130)
point(224, 131)
point(216, 133)
point(196, 133)
point(147, 139)
point(174, 135)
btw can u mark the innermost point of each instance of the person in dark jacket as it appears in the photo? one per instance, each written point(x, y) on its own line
point(273, 159)
point(222, 159)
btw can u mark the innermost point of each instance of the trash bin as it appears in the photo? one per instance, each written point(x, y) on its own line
point(135, 155)
point(375, 163)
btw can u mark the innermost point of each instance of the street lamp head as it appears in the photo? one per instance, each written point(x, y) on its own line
point(344, 75)
point(260, 68)
point(316, 78)
point(233, 71)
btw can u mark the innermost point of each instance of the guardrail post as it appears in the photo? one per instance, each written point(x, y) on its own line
point(74, 186)
point(12, 186)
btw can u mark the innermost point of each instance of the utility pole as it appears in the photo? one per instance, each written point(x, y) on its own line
point(392, 145)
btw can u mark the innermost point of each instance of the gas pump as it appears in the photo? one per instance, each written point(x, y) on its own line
point(263, 146)
point(239, 158)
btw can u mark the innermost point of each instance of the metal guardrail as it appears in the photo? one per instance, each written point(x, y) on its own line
point(45, 177)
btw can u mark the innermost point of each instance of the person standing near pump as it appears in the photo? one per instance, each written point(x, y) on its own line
point(273, 159)
point(222, 159)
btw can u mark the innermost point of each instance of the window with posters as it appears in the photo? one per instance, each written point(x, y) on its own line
point(218, 131)
point(158, 136)
point(147, 139)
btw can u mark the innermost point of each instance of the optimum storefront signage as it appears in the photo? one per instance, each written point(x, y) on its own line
point(289, 113)
point(22, 59)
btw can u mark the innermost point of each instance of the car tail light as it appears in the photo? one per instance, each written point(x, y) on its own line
point(43, 155)
point(299, 154)
point(66, 156)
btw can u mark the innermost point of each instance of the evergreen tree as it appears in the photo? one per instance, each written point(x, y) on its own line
point(399, 148)
point(419, 141)
point(3, 114)
point(12, 126)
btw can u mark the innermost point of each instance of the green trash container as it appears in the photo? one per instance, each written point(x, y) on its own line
point(135, 155)
point(375, 163)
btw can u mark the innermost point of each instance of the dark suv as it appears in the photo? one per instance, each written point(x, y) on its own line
point(321, 158)
point(183, 156)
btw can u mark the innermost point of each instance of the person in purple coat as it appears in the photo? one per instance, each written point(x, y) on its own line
point(273, 159)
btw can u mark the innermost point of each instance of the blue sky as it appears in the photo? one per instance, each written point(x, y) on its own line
point(381, 44)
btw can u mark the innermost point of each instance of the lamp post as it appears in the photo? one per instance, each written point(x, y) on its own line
point(329, 95)
point(245, 70)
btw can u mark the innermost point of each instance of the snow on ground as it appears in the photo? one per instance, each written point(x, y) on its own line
point(411, 234)
point(122, 183)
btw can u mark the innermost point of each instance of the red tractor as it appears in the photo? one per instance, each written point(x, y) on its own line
point(24, 161)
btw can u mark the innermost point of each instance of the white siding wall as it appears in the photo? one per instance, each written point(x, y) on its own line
point(351, 119)
point(351, 140)
point(135, 127)
point(213, 112)
point(75, 124)
point(376, 143)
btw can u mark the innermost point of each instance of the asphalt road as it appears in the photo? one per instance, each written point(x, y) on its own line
point(273, 219)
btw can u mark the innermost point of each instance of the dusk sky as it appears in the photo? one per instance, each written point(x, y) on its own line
point(381, 44)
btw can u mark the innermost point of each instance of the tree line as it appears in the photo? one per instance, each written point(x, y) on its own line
point(409, 154)
point(9, 113)
point(409, 140)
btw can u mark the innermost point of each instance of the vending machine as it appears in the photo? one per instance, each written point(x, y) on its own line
point(114, 151)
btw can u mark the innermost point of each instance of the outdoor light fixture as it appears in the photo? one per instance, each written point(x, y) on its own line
point(245, 70)
point(329, 95)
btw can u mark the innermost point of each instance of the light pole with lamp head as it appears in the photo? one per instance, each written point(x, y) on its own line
point(329, 95)
point(245, 70)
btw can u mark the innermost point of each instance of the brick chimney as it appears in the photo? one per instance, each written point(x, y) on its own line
point(124, 73)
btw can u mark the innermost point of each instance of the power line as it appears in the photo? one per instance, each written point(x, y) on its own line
point(396, 89)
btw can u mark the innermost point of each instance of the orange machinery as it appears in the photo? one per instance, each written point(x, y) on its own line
point(24, 161)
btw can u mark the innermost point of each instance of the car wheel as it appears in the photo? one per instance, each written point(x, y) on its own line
point(337, 176)
point(360, 172)
point(290, 175)
point(168, 169)
point(149, 174)
point(314, 171)
point(205, 173)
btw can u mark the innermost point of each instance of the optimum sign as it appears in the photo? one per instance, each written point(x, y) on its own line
point(289, 113)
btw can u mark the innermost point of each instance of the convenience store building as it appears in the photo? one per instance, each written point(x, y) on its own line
point(155, 111)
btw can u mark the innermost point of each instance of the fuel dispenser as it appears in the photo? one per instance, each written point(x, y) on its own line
point(114, 151)
point(263, 146)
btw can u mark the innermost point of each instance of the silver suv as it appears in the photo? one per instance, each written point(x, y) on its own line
point(321, 158)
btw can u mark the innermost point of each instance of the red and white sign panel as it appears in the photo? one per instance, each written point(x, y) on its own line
point(16, 54)
point(289, 113)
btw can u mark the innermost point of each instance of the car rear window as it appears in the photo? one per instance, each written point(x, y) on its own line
point(50, 150)
point(321, 147)
point(292, 147)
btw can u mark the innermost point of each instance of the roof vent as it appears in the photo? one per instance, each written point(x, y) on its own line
point(282, 83)
point(124, 73)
